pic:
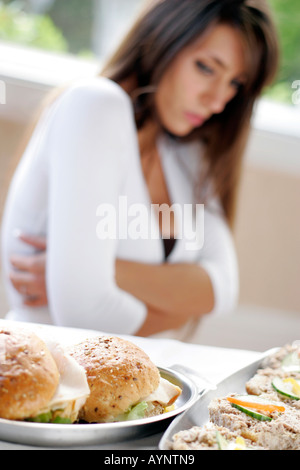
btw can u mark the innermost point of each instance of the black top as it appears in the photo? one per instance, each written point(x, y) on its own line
point(169, 244)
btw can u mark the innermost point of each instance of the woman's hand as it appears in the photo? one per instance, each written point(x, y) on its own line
point(28, 275)
point(157, 321)
point(173, 293)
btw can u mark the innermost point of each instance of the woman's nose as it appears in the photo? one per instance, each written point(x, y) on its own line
point(215, 99)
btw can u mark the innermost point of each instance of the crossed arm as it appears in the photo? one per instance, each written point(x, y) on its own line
point(172, 293)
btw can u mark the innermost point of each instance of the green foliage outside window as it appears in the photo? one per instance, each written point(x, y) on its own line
point(287, 17)
point(27, 29)
point(67, 28)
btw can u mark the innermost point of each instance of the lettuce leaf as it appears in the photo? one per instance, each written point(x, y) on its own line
point(49, 418)
point(42, 418)
point(137, 411)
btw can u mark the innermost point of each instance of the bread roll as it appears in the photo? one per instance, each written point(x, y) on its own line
point(28, 374)
point(119, 375)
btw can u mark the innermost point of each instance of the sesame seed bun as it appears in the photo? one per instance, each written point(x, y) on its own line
point(119, 375)
point(28, 374)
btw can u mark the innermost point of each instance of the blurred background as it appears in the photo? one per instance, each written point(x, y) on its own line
point(44, 43)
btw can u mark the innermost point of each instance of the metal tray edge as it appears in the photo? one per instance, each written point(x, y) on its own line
point(178, 424)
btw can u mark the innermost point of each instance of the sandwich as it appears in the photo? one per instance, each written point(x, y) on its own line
point(270, 424)
point(38, 382)
point(124, 383)
point(286, 358)
point(210, 437)
point(267, 417)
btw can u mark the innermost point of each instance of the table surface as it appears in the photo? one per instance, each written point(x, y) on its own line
point(213, 363)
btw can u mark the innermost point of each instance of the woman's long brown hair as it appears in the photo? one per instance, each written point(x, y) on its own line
point(161, 31)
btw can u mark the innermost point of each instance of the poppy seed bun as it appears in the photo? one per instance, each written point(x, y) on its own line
point(28, 374)
point(119, 375)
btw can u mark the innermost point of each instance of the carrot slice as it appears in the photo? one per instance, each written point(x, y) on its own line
point(270, 407)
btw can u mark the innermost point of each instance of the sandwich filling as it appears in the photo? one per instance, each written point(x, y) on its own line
point(160, 401)
point(71, 393)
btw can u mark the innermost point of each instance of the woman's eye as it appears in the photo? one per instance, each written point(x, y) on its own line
point(204, 68)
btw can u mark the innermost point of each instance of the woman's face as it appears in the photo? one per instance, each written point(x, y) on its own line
point(201, 80)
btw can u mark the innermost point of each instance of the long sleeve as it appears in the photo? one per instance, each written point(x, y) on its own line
point(91, 141)
point(88, 142)
point(218, 257)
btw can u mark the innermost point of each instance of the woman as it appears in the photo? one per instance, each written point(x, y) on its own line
point(166, 123)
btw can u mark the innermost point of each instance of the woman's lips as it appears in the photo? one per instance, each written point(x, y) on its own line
point(195, 119)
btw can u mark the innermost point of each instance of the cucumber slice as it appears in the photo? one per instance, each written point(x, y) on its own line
point(256, 399)
point(222, 443)
point(252, 413)
point(291, 362)
point(284, 388)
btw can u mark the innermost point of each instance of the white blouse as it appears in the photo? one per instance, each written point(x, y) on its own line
point(83, 159)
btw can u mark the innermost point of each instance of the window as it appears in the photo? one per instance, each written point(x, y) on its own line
point(91, 28)
point(287, 17)
point(84, 28)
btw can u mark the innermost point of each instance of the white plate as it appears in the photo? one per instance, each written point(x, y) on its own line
point(66, 435)
point(198, 414)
